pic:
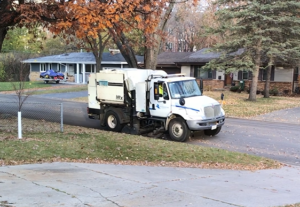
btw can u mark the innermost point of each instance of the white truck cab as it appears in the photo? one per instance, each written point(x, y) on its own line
point(140, 100)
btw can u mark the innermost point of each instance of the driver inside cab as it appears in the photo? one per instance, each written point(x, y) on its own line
point(160, 90)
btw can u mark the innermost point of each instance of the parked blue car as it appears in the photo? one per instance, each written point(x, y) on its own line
point(51, 74)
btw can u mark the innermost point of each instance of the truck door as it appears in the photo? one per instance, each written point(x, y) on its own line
point(160, 104)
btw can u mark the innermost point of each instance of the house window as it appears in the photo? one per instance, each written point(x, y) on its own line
point(71, 69)
point(245, 75)
point(204, 74)
point(88, 68)
point(58, 68)
point(43, 67)
point(262, 76)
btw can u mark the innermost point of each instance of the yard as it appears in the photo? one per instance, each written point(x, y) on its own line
point(79, 144)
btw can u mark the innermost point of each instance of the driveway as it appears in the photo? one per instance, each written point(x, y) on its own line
point(284, 116)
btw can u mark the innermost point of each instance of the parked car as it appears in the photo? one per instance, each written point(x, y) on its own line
point(51, 74)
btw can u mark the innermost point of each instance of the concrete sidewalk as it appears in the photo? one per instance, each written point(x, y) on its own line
point(104, 185)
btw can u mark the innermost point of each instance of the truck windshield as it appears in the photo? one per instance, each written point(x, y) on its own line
point(184, 89)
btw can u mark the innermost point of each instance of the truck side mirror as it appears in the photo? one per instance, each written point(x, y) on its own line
point(156, 91)
point(201, 85)
point(181, 101)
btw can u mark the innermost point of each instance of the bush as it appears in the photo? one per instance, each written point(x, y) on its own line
point(234, 88)
point(274, 92)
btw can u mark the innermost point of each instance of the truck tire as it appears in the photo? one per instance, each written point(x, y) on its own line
point(214, 132)
point(112, 121)
point(178, 130)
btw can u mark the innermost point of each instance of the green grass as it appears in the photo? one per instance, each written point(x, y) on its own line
point(91, 145)
point(61, 90)
point(8, 86)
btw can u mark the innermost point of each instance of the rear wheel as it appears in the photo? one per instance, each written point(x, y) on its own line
point(46, 81)
point(214, 132)
point(178, 130)
point(113, 121)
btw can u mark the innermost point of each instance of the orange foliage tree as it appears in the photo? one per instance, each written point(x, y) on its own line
point(90, 20)
point(93, 20)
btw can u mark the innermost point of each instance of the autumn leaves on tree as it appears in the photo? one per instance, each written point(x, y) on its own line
point(95, 22)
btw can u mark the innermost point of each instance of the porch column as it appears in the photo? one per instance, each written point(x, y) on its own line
point(77, 73)
point(66, 71)
point(83, 73)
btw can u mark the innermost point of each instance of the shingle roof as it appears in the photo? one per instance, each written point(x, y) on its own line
point(201, 56)
point(82, 57)
point(204, 56)
point(171, 57)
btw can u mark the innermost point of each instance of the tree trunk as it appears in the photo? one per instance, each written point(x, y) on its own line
point(124, 47)
point(98, 63)
point(151, 53)
point(3, 32)
point(253, 89)
point(150, 58)
point(268, 79)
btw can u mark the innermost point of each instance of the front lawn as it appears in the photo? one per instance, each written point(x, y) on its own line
point(9, 86)
point(79, 144)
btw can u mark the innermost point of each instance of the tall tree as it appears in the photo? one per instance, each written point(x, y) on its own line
point(251, 25)
point(95, 21)
point(22, 40)
point(186, 27)
point(116, 17)
point(16, 12)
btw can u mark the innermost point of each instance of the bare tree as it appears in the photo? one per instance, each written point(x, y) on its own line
point(17, 73)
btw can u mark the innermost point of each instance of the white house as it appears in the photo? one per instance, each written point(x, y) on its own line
point(76, 66)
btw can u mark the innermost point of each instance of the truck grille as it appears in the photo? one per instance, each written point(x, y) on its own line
point(212, 111)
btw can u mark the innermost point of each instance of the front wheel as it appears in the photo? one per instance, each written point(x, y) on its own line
point(178, 130)
point(113, 121)
point(214, 132)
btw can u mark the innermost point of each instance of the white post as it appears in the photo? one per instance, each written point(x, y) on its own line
point(61, 117)
point(19, 125)
point(77, 72)
point(83, 73)
point(66, 70)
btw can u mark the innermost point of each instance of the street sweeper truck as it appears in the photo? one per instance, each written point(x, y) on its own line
point(139, 101)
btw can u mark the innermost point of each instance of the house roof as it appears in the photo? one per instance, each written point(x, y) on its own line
point(165, 58)
point(82, 57)
point(204, 56)
point(201, 56)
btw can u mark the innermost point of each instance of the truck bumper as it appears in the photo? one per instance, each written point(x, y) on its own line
point(198, 125)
